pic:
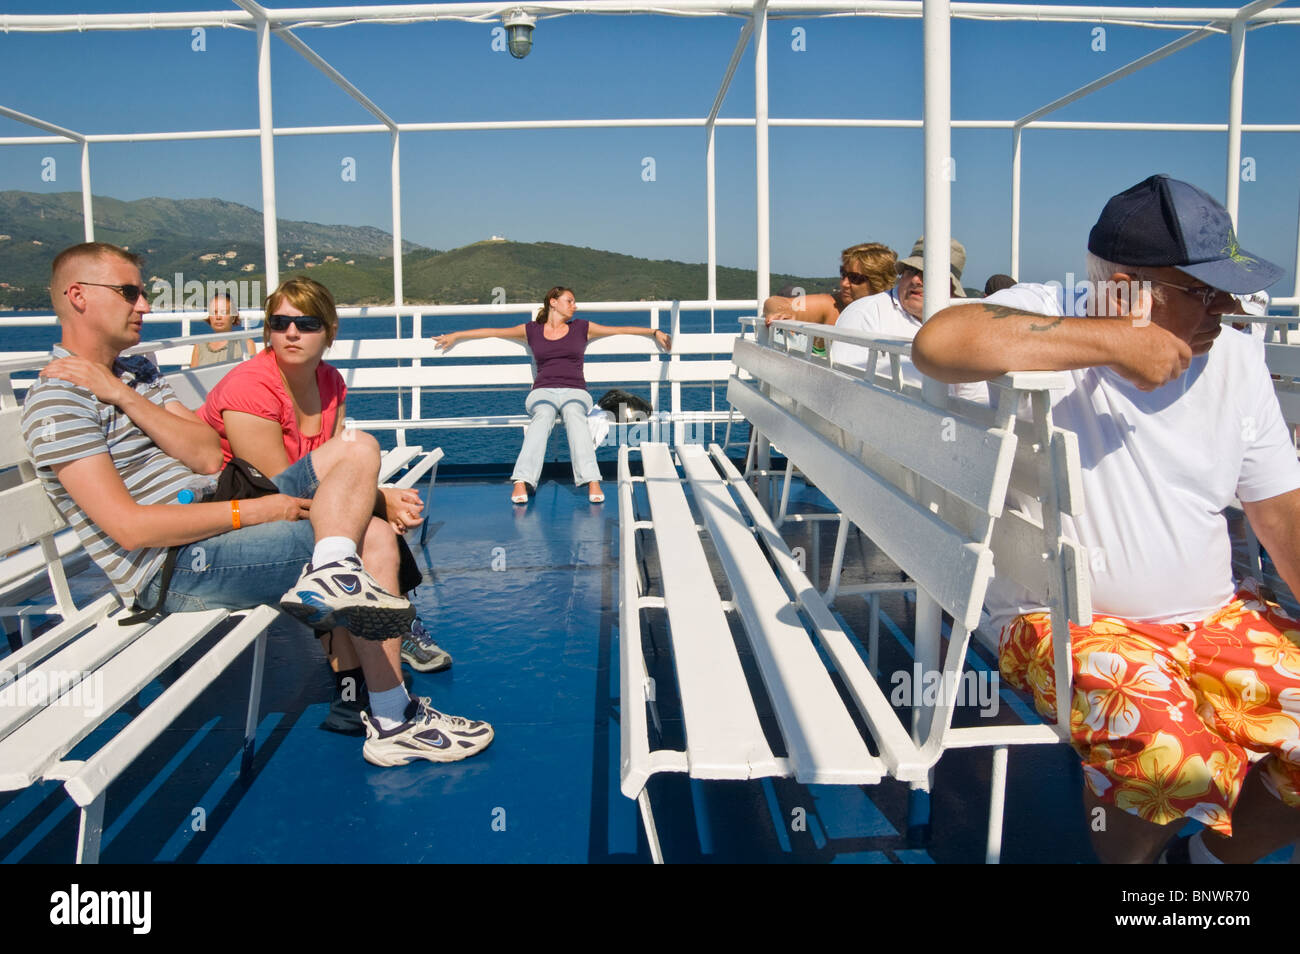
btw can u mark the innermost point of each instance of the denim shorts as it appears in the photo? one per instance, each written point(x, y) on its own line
point(243, 568)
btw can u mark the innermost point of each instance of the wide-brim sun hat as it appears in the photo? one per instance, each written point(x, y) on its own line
point(957, 262)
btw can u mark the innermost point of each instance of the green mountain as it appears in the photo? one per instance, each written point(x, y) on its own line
point(213, 240)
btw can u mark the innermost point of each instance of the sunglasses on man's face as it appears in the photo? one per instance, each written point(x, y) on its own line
point(131, 293)
point(307, 324)
point(855, 278)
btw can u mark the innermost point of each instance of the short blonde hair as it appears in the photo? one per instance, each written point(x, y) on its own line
point(878, 262)
point(310, 297)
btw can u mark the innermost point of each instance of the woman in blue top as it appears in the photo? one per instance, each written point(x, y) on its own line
point(558, 342)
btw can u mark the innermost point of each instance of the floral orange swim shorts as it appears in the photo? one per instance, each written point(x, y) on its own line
point(1166, 716)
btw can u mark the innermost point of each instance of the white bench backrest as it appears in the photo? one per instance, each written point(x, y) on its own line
point(928, 485)
point(1284, 361)
point(894, 489)
point(26, 513)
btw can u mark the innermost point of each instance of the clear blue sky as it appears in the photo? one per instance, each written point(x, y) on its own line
point(830, 188)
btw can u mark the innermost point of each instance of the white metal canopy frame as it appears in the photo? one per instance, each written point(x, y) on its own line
point(1197, 24)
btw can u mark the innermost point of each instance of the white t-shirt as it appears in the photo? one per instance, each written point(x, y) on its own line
point(1159, 467)
point(882, 315)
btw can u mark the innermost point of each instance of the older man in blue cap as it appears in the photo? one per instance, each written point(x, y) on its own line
point(1182, 675)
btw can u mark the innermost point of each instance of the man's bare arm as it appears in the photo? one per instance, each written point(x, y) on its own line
point(817, 308)
point(1276, 521)
point(175, 429)
point(97, 488)
point(978, 341)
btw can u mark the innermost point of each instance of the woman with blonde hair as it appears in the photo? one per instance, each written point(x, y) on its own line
point(278, 407)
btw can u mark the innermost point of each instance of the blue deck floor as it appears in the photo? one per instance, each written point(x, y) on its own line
point(524, 599)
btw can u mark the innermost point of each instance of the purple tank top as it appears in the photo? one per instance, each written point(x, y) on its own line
point(559, 363)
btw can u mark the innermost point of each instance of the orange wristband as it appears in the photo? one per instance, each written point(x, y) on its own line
point(234, 514)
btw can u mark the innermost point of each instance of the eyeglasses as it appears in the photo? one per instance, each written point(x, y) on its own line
point(855, 278)
point(905, 270)
point(307, 324)
point(131, 293)
point(1206, 293)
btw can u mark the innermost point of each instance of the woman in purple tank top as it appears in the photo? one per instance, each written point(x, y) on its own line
point(558, 342)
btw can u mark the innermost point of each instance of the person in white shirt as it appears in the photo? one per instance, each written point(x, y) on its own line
point(865, 269)
point(1181, 675)
point(1255, 306)
point(898, 313)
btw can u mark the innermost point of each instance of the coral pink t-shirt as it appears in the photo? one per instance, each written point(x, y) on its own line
point(255, 387)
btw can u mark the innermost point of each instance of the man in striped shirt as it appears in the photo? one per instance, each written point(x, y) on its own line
point(116, 450)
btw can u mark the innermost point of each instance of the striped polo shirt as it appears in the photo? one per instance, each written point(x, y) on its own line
point(63, 422)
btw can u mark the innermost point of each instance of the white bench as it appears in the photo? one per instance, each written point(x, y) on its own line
point(929, 486)
point(65, 683)
point(784, 620)
point(1284, 363)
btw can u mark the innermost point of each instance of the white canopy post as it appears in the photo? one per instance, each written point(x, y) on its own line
point(710, 157)
point(87, 202)
point(397, 225)
point(762, 204)
point(266, 136)
point(1236, 86)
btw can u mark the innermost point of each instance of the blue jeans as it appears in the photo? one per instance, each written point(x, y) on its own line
point(243, 568)
point(543, 405)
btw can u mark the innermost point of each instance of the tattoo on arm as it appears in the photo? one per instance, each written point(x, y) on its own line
point(1049, 326)
point(998, 312)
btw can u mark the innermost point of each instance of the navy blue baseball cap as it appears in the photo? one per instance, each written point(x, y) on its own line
point(1166, 222)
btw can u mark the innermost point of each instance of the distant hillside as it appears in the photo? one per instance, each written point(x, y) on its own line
point(527, 271)
point(213, 240)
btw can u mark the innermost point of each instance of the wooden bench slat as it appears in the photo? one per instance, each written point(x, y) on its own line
point(13, 450)
point(57, 636)
point(822, 742)
point(1018, 555)
point(397, 458)
point(49, 735)
point(420, 468)
point(463, 375)
point(110, 761)
point(891, 424)
point(897, 749)
point(1289, 401)
point(29, 515)
point(65, 667)
point(1283, 359)
point(950, 568)
point(193, 384)
point(723, 736)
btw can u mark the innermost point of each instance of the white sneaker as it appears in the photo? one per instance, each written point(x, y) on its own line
point(426, 734)
point(344, 594)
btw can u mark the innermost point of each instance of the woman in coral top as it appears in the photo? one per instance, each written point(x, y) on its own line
point(558, 342)
point(278, 407)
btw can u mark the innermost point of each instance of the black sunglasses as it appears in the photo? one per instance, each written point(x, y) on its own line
point(307, 324)
point(855, 278)
point(131, 293)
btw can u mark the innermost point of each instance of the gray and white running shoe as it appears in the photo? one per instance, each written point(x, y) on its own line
point(344, 594)
point(426, 734)
point(421, 653)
